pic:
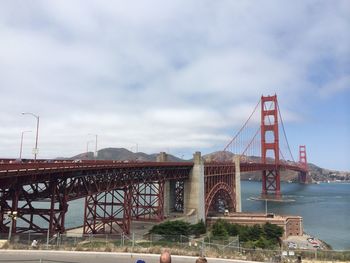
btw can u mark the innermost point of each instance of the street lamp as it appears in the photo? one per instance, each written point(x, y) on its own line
point(35, 150)
point(95, 154)
point(87, 148)
point(12, 216)
point(136, 148)
point(20, 150)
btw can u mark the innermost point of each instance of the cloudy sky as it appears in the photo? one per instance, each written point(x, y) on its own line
point(176, 76)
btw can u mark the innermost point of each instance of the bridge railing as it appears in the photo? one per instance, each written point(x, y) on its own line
point(17, 168)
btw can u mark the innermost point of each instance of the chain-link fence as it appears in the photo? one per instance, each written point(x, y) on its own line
point(179, 244)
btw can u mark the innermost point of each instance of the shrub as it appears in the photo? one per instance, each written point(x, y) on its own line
point(198, 229)
point(179, 227)
point(219, 230)
point(257, 236)
point(176, 227)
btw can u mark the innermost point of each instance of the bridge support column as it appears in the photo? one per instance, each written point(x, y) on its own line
point(167, 197)
point(3, 204)
point(57, 211)
point(12, 195)
point(148, 201)
point(238, 183)
point(106, 212)
point(21, 199)
point(271, 184)
point(51, 227)
point(179, 189)
point(172, 191)
point(15, 197)
point(302, 177)
point(194, 201)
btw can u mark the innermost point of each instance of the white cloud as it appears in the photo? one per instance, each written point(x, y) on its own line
point(338, 85)
point(179, 74)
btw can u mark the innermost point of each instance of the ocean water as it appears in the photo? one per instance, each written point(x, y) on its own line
point(325, 209)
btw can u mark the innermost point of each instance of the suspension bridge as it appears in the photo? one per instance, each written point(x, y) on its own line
point(35, 196)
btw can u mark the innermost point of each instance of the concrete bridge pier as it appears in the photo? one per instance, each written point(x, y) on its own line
point(194, 201)
point(238, 183)
point(169, 189)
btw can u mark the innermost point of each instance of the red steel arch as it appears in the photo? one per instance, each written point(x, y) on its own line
point(219, 181)
point(220, 188)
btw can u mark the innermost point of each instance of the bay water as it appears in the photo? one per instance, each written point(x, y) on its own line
point(325, 209)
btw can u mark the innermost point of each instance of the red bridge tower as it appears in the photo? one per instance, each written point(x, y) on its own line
point(303, 163)
point(271, 178)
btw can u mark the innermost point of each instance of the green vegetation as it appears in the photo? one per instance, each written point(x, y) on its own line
point(179, 228)
point(266, 236)
point(257, 236)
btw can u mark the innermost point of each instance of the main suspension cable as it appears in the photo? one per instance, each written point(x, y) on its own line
point(284, 132)
point(245, 124)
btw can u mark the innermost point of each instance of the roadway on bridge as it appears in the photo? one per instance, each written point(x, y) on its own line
point(15, 256)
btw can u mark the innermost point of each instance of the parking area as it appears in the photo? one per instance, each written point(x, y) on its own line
point(303, 242)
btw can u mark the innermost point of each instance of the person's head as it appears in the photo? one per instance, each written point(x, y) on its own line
point(140, 261)
point(165, 257)
point(201, 260)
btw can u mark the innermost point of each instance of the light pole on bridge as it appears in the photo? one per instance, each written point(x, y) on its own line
point(96, 153)
point(21, 146)
point(87, 148)
point(35, 150)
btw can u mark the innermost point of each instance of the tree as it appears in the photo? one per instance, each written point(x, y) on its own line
point(233, 229)
point(219, 231)
point(255, 232)
point(273, 232)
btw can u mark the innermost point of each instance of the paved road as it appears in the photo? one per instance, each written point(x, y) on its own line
point(16, 256)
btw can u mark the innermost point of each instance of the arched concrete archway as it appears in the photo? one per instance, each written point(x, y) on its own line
point(222, 190)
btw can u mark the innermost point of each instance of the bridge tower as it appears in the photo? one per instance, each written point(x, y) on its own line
point(194, 196)
point(271, 178)
point(303, 163)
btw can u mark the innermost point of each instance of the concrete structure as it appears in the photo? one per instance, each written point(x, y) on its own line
point(238, 183)
point(162, 157)
point(292, 225)
point(194, 201)
point(169, 189)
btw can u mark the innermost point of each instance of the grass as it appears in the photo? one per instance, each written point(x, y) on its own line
point(177, 248)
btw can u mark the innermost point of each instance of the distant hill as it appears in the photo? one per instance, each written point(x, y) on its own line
point(317, 173)
point(122, 154)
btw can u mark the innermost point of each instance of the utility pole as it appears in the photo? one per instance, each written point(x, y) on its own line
point(35, 150)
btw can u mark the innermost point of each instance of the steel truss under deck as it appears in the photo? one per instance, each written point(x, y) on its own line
point(113, 196)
